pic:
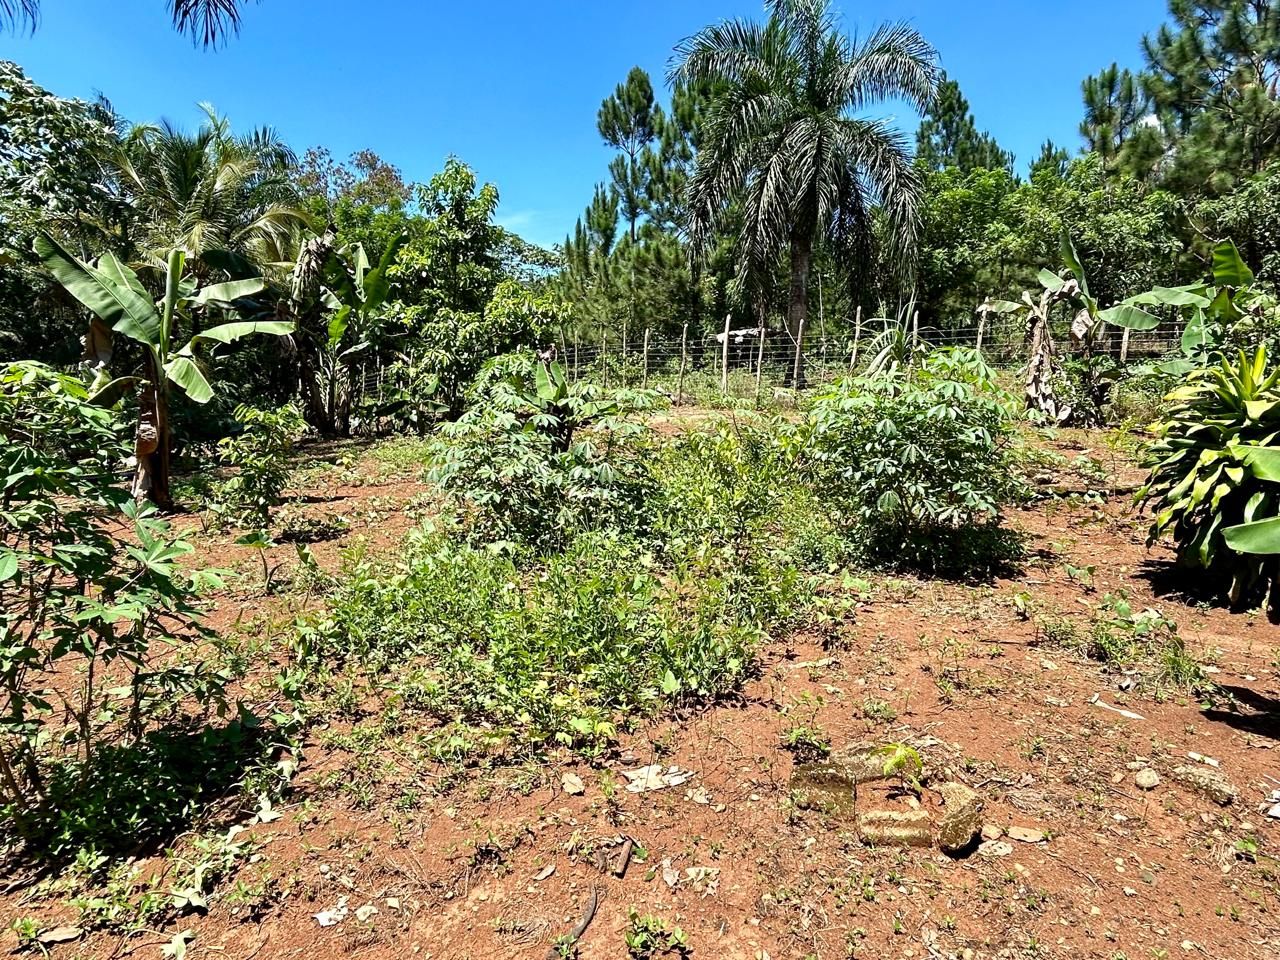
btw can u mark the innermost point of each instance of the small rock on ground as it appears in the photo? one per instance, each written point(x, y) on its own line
point(1205, 780)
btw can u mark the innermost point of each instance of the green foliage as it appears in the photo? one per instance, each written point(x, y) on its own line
point(537, 460)
point(518, 658)
point(121, 304)
point(648, 937)
point(1214, 475)
point(916, 469)
point(88, 581)
point(455, 345)
point(731, 509)
point(259, 455)
point(949, 139)
point(1134, 641)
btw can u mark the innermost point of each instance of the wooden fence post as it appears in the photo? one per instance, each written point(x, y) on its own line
point(724, 357)
point(624, 351)
point(982, 322)
point(645, 382)
point(857, 335)
point(915, 330)
point(1124, 346)
point(795, 369)
point(604, 367)
point(684, 354)
point(822, 323)
point(760, 363)
point(576, 368)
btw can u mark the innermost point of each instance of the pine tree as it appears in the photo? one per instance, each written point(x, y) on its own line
point(1120, 125)
point(949, 137)
point(1053, 161)
point(630, 121)
point(1212, 77)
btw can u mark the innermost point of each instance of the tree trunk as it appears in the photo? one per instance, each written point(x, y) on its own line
point(151, 447)
point(798, 302)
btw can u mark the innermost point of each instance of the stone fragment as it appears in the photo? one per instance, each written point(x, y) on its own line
point(1209, 782)
point(1026, 834)
point(895, 828)
point(961, 816)
point(1147, 779)
point(995, 848)
point(991, 831)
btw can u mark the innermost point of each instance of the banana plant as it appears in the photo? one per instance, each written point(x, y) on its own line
point(353, 294)
point(1228, 303)
point(121, 304)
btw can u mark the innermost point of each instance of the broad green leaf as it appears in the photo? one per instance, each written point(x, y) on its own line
point(1129, 317)
point(1223, 308)
point(183, 370)
point(376, 285)
point(1050, 280)
point(546, 389)
point(229, 332)
point(338, 326)
point(1263, 462)
point(8, 564)
point(113, 269)
point(110, 393)
point(1196, 334)
point(1260, 538)
point(1190, 296)
point(1229, 269)
point(1072, 259)
point(1177, 368)
point(1258, 409)
point(230, 291)
point(117, 302)
point(172, 294)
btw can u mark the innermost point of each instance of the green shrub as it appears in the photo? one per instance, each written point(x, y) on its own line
point(537, 460)
point(916, 469)
point(730, 509)
point(1215, 469)
point(560, 652)
point(259, 454)
point(89, 583)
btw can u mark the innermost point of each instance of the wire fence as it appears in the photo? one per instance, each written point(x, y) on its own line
point(780, 358)
point(688, 365)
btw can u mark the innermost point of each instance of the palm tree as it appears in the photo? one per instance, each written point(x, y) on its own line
point(207, 21)
point(784, 148)
point(211, 190)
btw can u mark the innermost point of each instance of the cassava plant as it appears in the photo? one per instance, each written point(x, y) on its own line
point(259, 454)
point(1215, 476)
point(91, 599)
point(170, 357)
point(537, 459)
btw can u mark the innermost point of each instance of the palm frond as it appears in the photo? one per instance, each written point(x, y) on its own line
point(19, 15)
point(895, 61)
point(209, 22)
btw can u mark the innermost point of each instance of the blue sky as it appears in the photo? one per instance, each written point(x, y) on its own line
point(513, 87)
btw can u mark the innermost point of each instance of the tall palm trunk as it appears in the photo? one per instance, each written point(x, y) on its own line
point(798, 302)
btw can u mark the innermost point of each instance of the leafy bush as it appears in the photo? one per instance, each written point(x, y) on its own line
point(916, 469)
point(457, 343)
point(559, 653)
point(1214, 474)
point(537, 460)
point(730, 508)
point(260, 456)
point(88, 582)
